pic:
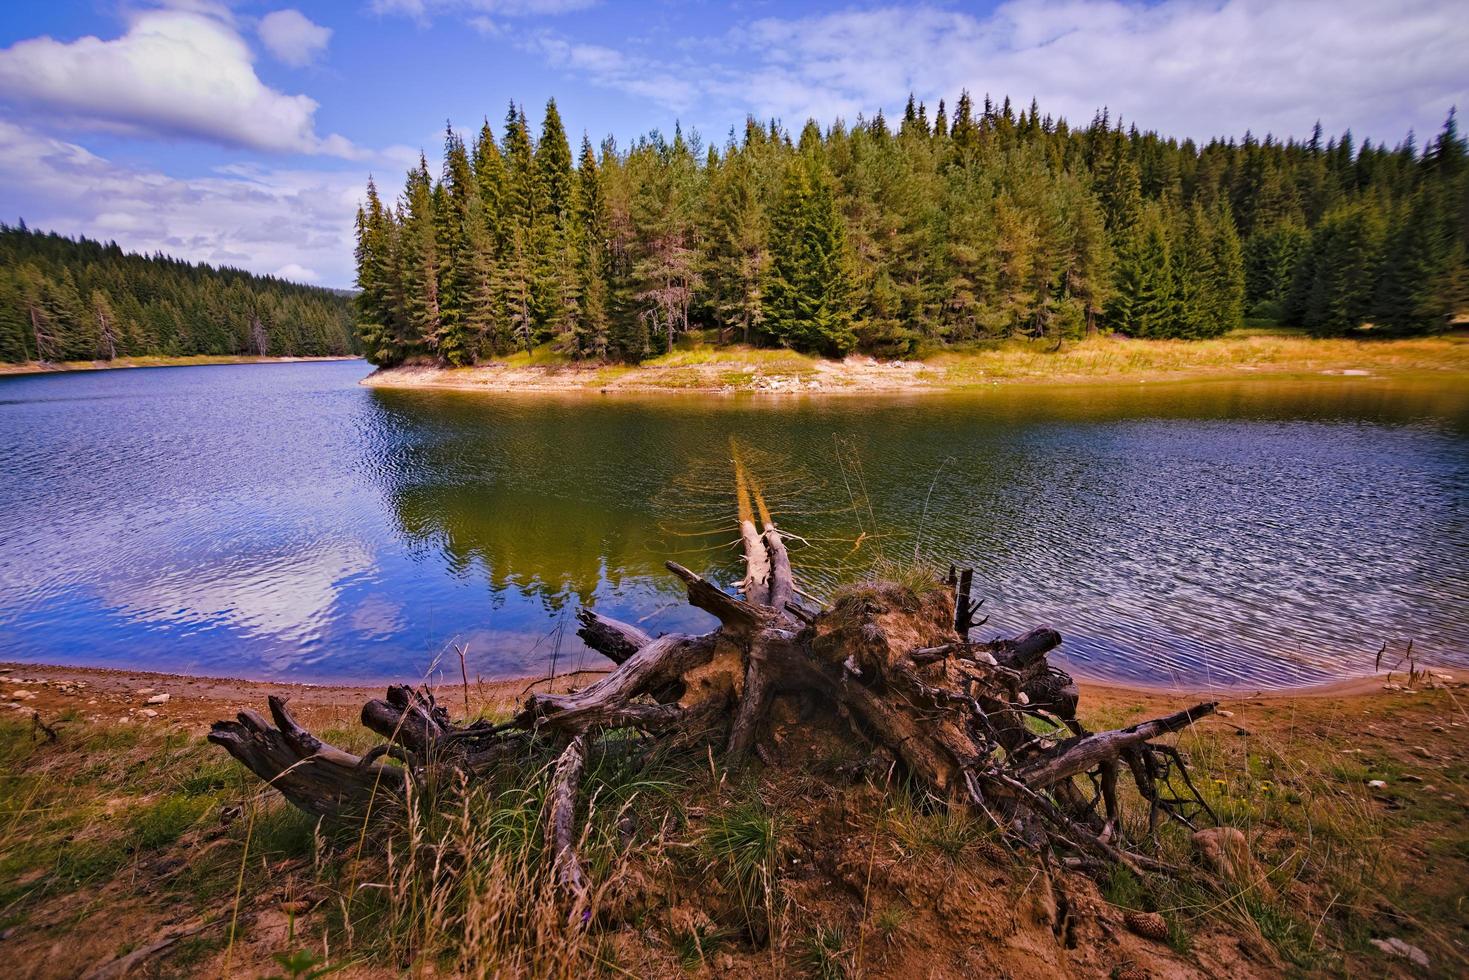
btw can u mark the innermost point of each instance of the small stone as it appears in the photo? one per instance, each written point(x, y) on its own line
point(1376, 784)
point(144, 690)
point(147, 712)
point(20, 694)
point(1410, 778)
point(1396, 947)
point(158, 699)
point(1392, 687)
point(1224, 714)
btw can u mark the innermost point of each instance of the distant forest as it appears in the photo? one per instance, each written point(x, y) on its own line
point(64, 299)
point(970, 224)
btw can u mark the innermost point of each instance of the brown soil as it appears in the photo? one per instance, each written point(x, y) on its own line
point(976, 911)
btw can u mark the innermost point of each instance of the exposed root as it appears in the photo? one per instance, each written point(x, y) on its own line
point(898, 665)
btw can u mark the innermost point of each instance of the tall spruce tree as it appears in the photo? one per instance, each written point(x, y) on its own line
point(982, 224)
point(808, 299)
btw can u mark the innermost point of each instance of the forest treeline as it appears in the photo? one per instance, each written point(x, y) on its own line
point(975, 223)
point(64, 299)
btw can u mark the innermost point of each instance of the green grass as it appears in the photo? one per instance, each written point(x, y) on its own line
point(742, 843)
point(826, 954)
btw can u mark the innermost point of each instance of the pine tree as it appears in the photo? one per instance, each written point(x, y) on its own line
point(1145, 304)
point(1226, 274)
point(420, 264)
point(594, 327)
point(104, 326)
point(455, 200)
point(515, 272)
point(555, 289)
point(738, 252)
point(808, 299)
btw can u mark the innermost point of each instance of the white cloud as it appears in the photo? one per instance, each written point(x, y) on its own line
point(292, 37)
point(422, 10)
point(636, 76)
point(1196, 68)
point(293, 223)
point(296, 272)
point(183, 73)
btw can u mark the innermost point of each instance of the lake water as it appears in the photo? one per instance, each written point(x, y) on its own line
point(281, 521)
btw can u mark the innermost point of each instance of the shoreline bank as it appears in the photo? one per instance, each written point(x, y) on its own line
point(197, 699)
point(193, 360)
point(1352, 801)
point(1096, 361)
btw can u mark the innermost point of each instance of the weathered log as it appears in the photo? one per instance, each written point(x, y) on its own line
point(566, 869)
point(733, 614)
point(896, 664)
point(609, 703)
point(617, 641)
point(1077, 755)
point(319, 778)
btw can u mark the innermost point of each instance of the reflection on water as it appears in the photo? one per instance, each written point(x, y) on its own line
point(282, 521)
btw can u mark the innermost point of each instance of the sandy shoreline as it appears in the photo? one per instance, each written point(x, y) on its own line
point(1098, 361)
point(196, 701)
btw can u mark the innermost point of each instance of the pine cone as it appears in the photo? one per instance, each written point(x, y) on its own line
point(1149, 925)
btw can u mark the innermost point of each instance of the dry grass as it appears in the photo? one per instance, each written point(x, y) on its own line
point(697, 366)
point(788, 871)
point(1341, 862)
point(1274, 353)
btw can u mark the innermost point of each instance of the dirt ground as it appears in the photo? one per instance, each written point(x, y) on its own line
point(1375, 768)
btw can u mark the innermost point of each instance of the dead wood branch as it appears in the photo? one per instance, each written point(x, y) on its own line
point(893, 662)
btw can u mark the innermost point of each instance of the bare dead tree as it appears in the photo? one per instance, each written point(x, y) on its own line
point(897, 664)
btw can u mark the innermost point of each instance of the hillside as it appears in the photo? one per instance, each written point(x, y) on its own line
point(64, 299)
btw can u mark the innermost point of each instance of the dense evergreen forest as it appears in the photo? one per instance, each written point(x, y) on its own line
point(971, 224)
point(64, 299)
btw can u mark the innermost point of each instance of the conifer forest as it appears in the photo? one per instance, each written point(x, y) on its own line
point(64, 299)
point(970, 223)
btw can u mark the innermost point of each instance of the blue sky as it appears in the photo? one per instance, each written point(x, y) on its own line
point(242, 132)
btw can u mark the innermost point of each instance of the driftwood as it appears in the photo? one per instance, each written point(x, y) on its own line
point(897, 664)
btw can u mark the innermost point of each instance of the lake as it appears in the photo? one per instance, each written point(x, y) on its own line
point(281, 521)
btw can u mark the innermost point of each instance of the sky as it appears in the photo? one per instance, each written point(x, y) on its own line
point(242, 133)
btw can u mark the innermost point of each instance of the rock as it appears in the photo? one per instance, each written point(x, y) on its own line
point(1224, 714)
point(1227, 851)
point(148, 713)
point(1149, 925)
point(158, 699)
point(20, 694)
point(1410, 778)
point(1396, 947)
point(1376, 784)
point(144, 690)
